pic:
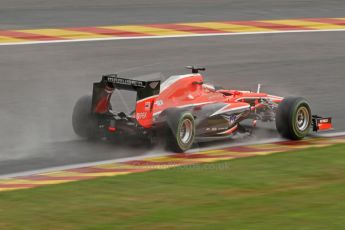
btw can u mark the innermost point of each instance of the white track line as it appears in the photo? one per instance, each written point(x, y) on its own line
point(157, 154)
point(167, 36)
point(328, 134)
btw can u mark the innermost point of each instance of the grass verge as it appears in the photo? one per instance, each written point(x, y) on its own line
point(294, 190)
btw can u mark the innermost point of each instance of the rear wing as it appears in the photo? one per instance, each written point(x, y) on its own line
point(103, 90)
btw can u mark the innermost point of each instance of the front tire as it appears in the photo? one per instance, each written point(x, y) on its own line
point(293, 118)
point(181, 130)
point(83, 122)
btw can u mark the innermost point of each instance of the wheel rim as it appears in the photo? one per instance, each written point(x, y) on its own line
point(302, 119)
point(186, 131)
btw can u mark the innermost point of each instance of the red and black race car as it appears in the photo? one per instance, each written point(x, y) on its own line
point(184, 110)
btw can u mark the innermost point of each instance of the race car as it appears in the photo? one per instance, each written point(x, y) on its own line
point(184, 110)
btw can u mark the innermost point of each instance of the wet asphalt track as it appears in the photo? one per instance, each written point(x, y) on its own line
point(39, 84)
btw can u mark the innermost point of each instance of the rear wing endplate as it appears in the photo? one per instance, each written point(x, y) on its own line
point(103, 90)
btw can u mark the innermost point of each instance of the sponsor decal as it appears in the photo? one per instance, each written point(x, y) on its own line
point(159, 102)
point(231, 118)
point(147, 105)
point(324, 121)
point(141, 116)
point(216, 129)
point(121, 81)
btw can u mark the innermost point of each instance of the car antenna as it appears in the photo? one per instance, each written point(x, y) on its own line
point(259, 88)
point(195, 69)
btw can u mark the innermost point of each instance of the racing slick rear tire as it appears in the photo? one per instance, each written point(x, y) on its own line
point(293, 118)
point(181, 130)
point(83, 122)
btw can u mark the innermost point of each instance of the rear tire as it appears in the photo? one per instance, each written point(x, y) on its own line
point(83, 122)
point(181, 130)
point(293, 118)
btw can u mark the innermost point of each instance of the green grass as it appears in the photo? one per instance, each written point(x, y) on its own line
point(296, 190)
